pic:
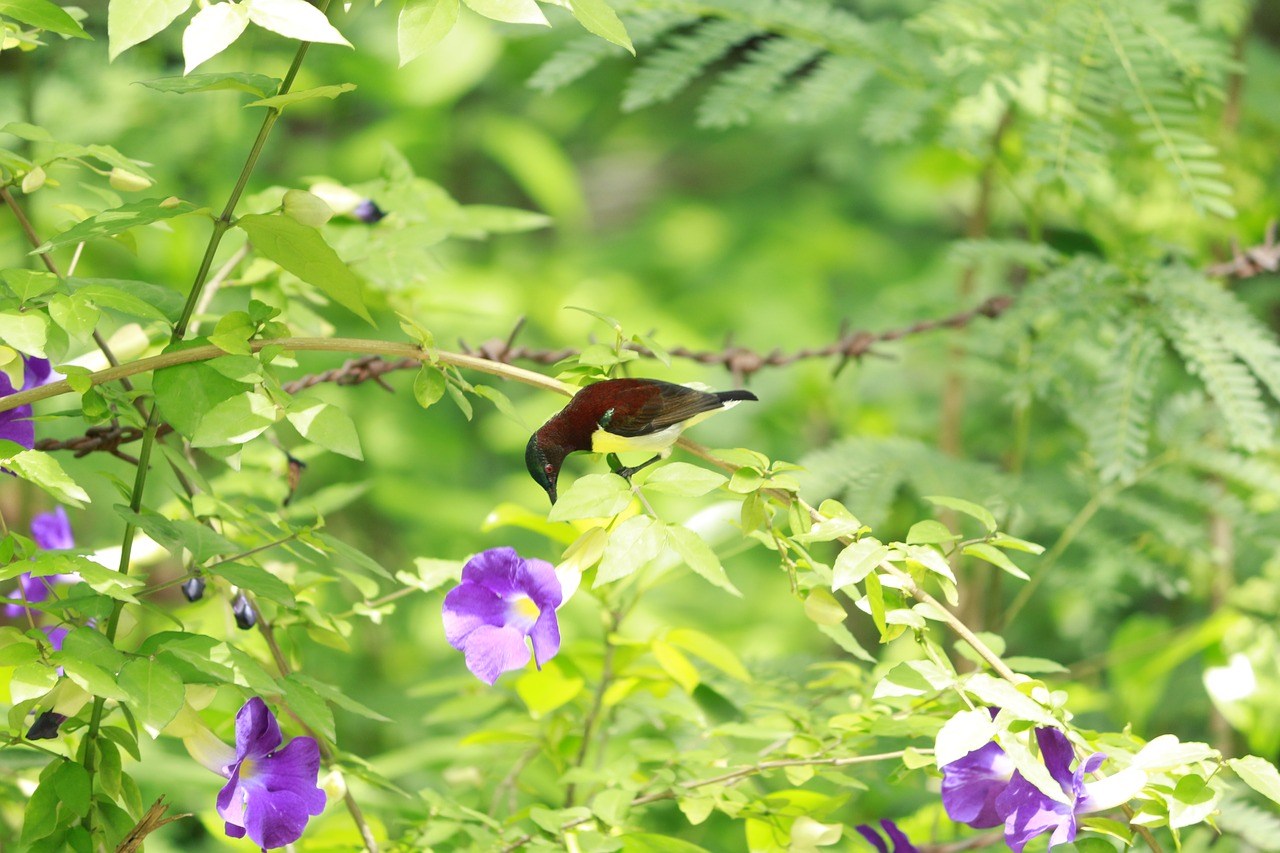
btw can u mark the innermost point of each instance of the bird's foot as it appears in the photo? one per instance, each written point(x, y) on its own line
point(626, 473)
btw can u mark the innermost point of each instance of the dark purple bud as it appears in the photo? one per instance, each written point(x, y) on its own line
point(46, 726)
point(246, 616)
point(368, 212)
point(193, 588)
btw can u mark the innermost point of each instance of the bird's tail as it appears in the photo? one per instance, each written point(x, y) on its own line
point(735, 396)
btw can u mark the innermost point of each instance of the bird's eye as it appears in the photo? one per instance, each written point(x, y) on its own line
point(549, 468)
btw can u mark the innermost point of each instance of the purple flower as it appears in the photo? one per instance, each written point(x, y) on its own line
point(970, 786)
point(983, 789)
point(901, 844)
point(242, 609)
point(16, 424)
point(52, 532)
point(368, 212)
point(272, 792)
point(502, 600)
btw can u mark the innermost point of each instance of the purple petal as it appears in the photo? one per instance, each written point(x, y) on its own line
point(901, 844)
point(276, 819)
point(491, 651)
point(257, 732)
point(230, 802)
point(37, 372)
point(499, 570)
point(1087, 768)
point(294, 768)
point(16, 424)
point(872, 836)
point(1029, 813)
point(469, 606)
point(545, 636)
point(970, 786)
point(52, 530)
point(56, 636)
point(542, 585)
point(1057, 753)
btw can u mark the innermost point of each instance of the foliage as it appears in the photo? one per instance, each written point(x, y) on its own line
point(748, 653)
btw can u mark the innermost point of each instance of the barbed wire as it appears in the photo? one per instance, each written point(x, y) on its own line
point(741, 362)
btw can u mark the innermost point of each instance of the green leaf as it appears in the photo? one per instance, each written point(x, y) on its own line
point(428, 386)
point(1259, 774)
point(93, 679)
point(43, 15)
point(997, 558)
point(310, 707)
point(295, 19)
point(235, 421)
point(488, 219)
point(71, 782)
point(423, 23)
point(118, 220)
point(856, 561)
point(91, 645)
point(510, 11)
point(929, 532)
point(156, 693)
point(710, 650)
point(676, 665)
point(213, 29)
point(187, 393)
point(40, 468)
point(339, 698)
point(699, 556)
point(592, 496)
point(31, 681)
point(243, 81)
point(75, 315)
point(543, 692)
point(100, 579)
point(821, 607)
point(28, 284)
point(612, 805)
point(232, 333)
point(962, 734)
point(681, 478)
point(281, 101)
point(301, 250)
point(633, 544)
point(598, 18)
point(973, 510)
point(135, 298)
point(325, 425)
point(257, 580)
point(27, 332)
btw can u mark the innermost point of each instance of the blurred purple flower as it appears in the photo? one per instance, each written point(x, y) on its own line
point(16, 424)
point(242, 609)
point(970, 786)
point(193, 588)
point(502, 600)
point(52, 532)
point(368, 212)
point(901, 844)
point(272, 792)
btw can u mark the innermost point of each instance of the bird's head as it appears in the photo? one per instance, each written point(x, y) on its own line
point(543, 461)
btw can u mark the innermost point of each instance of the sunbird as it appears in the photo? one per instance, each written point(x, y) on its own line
point(619, 415)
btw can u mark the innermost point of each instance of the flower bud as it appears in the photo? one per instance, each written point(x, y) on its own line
point(246, 616)
point(368, 212)
point(33, 180)
point(306, 208)
point(193, 588)
point(46, 726)
point(126, 181)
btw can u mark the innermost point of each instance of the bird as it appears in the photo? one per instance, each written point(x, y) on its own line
point(618, 415)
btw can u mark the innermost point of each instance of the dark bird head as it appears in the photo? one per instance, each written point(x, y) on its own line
point(543, 461)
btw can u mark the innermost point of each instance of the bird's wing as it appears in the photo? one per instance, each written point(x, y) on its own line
point(670, 405)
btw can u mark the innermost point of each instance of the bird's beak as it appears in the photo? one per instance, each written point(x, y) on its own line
point(551, 493)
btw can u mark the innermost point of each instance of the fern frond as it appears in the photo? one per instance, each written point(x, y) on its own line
point(895, 115)
point(828, 88)
point(666, 72)
point(1159, 106)
point(748, 88)
point(1230, 385)
point(581, 55)
point(1119, 430)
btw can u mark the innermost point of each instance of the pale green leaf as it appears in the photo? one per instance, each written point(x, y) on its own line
point(699, 556)
point(75, 315)
point(681, 478)
point(28, 284)
point(131, 22)
point(962, 734)
point(510, 11)
point(235, 421)
point(243, 81)
point(856, 561)
point(995, 557)
point(710, 650)
point(26, 332)
point(423, 23)
point(632, 545)
point(598, 18)
point(295, 19)
point(1259, 774)
point(40, 468)
point(428, 386)
point(969, 508)
point(592, 496)
point(213, 29)
point(325, 425)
